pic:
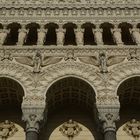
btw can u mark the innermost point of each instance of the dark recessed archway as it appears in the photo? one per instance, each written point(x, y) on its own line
point(11, 94)
point(70, 98)
point(129, 96)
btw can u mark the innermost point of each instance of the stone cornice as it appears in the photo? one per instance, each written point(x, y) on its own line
point(69, 10)
point(66, 3)
point(61, 51)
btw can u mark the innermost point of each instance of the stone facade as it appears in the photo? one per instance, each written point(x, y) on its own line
point(56, 56)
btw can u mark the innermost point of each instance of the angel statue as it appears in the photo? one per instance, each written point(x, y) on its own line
point(37, 61)
point(102, 62)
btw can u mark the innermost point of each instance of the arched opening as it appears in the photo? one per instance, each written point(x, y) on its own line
point(70, 34)
point(11, 94)
point(51, 34)
point(126, 35)
point(129, 95)
point(12, 37)
point(70, 98)
point(107, 35)
point(88, 34)
point(32, 35)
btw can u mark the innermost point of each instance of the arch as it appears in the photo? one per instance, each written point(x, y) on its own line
point(126, 36)
point(51, 34)
point(88, 33)
point(70, 38)
point(107, 35)
point(12, 37)
point(75, 90)
point(32, 34)
point(122, 72)
point(17, 73)
point(73, 69)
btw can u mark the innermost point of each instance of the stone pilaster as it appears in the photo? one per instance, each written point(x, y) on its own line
point(117, 36)
point(98, 35)
point(108, 113)
point(22, 35)
point(135, 32)
point(79, 34)
point(3, 34)
point(60, 33)
point(33, 114)
point(41, 35)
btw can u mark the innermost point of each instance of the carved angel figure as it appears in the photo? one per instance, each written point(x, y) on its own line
point(102, 61)
point(38, 61)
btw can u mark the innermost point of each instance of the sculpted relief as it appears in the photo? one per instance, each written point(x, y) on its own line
point(7, 129)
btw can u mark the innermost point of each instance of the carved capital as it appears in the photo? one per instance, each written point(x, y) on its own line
point(33, 112)
point(108, 116)
point(108, 109)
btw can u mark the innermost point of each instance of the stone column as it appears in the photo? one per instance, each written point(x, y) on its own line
point(117, 36)
point(41, 35)
point(22, 36)
point(98, 35)
point(60, 33)
point(3, 34)
point(108, 113)
point(135, 32)
point(33, 114)
point(79, 35)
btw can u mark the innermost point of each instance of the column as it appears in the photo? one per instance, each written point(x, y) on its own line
point(116, 32)
point(98, 35)
point(41, 35)
point(33, 114)
point(79, 35)
point(22, 35)
point(3, 34)
point(135, 32)
point(60, 33)
point(108, 113)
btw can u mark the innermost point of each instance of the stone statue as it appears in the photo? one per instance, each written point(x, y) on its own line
point(37, 61)
point(79, 36)
point(41, 36)
point(117, 36)
point(7, 129)
point(135, 35)
point(70, 129)
point(103, 63)
point(133, 128)
point(22, 36)
point(60, 36)
point(98, 36)
point(3, 35)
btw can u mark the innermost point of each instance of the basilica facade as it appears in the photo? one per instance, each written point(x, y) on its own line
point(70, 69)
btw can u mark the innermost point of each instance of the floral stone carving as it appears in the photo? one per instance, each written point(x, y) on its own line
point(70, 129)
point(7, 129)
point(132, 128)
